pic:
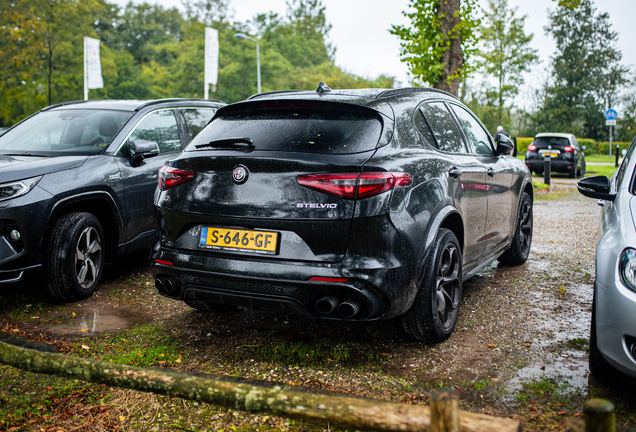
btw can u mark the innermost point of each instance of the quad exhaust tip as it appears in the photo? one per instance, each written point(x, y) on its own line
point(349, 308)
point(346, 309)
point(327, 304)
point(166, 285)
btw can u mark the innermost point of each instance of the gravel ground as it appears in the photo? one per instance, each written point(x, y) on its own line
point(521, 330)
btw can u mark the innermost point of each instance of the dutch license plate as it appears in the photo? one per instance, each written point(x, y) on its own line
point(231, 239)
point(551, 154)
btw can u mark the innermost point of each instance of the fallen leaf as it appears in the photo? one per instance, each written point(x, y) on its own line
point(86, 347)
point(491, 346)
point(36, 317)
point(577, 414)
point(385, 354)
point(562, 412)
point(527, 345)
point(494, 379)
point(122, 418)
point(83, 330)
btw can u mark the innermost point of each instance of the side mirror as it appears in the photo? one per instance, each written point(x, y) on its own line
point(597, 187)
point(142, 149)
point(505, 146)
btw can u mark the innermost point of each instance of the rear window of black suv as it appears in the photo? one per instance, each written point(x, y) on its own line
point(307, 126)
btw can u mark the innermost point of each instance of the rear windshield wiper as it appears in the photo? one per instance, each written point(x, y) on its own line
point(244, 142)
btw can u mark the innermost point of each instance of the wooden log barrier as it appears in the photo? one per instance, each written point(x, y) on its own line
point(346, 411)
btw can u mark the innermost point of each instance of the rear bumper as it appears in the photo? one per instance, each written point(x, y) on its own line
point(556, 165)
point(296, 294)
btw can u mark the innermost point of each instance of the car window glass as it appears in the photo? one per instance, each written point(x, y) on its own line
point(298, 127)
point(443, 127)
point(420, 124)
point(476, 134)
point(160, 127)
point(621, 172)
point(70, 131)
point(197, 118)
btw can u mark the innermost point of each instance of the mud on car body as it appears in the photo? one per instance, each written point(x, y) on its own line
point(77, 182)
point(375, 204)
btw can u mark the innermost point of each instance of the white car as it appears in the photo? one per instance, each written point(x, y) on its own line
point(613, 329)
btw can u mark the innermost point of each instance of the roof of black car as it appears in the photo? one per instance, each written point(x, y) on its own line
point(355, 96)
point(127, 105)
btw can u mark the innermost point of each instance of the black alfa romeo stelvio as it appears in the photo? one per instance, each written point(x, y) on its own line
point(355, 205)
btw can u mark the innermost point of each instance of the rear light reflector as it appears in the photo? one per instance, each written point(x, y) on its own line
point(328, 279)
point(158, 261)
point(170, 177)
point(532, 147)
point(355, 185)
point(568, 149)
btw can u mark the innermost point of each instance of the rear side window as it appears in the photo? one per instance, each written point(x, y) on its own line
point(197, 118)
point(297, 127)
point(443, 127)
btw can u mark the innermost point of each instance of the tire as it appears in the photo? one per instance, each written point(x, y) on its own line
point(572, 171)
point(75, 257)
point(434, 313)
point(599, 367)
point(202, 306)
point(519, 249)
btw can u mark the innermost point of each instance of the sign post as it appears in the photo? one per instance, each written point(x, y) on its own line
point(610, 116)
point(92, 66)
point(211, 61)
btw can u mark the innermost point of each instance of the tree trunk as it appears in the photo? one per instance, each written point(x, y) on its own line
point(347, 411)
point(453, 60)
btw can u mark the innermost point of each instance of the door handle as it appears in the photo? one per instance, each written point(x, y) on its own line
point(455, 172)
point(491, 172)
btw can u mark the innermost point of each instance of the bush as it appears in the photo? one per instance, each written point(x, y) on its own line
point(522, 144)
point(603, 147)
point(590, 145)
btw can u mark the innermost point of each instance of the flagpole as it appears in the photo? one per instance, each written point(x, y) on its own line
point(85, 72)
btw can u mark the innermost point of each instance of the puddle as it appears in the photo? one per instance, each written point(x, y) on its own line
point(559, 323)
point(91, 323)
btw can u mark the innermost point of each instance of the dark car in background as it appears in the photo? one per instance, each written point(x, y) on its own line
point(77, 182)
point(341, 205)
point(566, 156)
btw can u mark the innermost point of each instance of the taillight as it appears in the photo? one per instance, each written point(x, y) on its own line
point(355, 185)
point(568, 149)
point(532, 147)
point(172, 177)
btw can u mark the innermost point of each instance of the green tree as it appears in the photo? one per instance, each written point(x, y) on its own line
point(586, 72)
point(440, 41)
point(505, 54)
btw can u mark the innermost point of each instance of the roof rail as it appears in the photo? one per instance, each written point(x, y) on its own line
point(158, 101)
point(62, 104)
point(254, 96)
point(409, 90)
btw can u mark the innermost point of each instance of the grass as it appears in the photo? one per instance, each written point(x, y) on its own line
point(303, 354)
point(146, 345)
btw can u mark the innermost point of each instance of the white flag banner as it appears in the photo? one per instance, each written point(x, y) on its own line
point(211, 56)
point(92, 64)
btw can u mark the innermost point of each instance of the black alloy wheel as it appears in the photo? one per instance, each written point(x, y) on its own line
point(75, 256)
point(519, 250)
point(434, 313)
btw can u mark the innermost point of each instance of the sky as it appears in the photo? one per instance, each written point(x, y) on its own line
point(364, 46)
